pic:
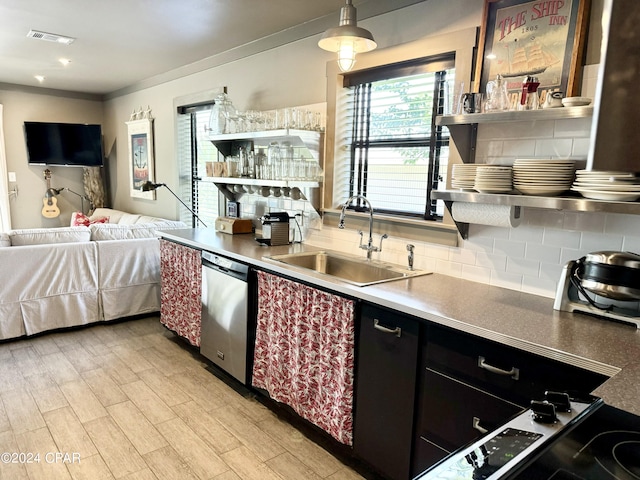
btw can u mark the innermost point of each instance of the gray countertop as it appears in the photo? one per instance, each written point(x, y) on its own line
point(517, 319)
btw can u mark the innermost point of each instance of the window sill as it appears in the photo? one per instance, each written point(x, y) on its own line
point(414, 229)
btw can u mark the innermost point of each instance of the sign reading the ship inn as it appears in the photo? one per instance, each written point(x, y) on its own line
point(544, 39)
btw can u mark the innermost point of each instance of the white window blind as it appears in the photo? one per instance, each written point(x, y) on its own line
point(194, 150)
point(393, 153)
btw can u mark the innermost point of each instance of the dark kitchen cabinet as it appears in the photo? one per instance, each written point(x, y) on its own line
point(469, 385)
point(387, 360)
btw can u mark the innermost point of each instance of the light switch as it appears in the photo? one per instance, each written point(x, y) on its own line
point(12, 177)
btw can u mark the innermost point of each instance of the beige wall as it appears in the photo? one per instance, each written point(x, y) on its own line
point(21, 106)
point(293, 74)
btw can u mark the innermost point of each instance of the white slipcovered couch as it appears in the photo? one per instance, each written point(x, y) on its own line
point(61, 277)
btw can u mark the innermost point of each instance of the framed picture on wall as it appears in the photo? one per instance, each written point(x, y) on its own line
point(141, 157)
point(544, 39)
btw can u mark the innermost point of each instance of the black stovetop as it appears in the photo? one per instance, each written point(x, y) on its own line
point(605, 446)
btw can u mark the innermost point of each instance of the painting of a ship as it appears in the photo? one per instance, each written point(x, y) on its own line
point(532, 60)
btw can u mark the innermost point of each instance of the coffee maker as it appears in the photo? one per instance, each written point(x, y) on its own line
point(275, 229)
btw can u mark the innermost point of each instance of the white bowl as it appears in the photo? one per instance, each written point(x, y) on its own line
point(576, 101)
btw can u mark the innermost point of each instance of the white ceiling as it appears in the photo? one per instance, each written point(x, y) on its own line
point(122, 42)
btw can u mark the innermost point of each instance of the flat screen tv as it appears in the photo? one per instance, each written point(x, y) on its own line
point(63, 144)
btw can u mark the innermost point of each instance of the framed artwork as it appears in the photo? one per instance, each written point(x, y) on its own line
point(141, 157)
point(522, 38)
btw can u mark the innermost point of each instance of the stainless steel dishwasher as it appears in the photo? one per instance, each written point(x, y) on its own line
point(224, 314)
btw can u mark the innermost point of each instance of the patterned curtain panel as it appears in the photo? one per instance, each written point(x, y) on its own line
point(181, 290)
point(304, 354)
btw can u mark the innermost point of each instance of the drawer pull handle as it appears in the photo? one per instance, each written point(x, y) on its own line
point(476, 425)
point(396, 331)
point(513, 373)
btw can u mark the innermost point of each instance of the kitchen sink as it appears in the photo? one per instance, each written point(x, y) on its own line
point(351, 269)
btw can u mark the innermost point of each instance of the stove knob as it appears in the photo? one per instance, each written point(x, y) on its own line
point(543, 412)
point(561, 400)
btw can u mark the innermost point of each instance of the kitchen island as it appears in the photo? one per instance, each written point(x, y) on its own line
point(523, 321)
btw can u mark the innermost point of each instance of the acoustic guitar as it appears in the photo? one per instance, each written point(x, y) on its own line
point(50, 202)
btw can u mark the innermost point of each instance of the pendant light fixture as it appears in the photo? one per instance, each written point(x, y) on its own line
point(347, 39)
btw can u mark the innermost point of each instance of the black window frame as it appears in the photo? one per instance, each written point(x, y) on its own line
point(437, 138)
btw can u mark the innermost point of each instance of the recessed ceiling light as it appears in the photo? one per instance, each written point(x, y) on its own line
point(40, 78)
point(64, 61)
point(50, 37)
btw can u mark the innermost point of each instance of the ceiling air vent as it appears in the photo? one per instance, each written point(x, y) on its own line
point(50, 37)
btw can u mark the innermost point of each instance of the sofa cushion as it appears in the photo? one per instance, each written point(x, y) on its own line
point(115, 216)
point(78, 219)
point(5, 240)
point(111, 231)
point(38, 236)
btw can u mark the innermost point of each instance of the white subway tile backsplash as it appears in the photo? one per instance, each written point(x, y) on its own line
point(478, 243)
point(551, 272)
point(592, 242)
point(515, 130)
point(448, 268)
point(519, 148)
point(488, 149)
point(462, 255)
point(539, 286)
point(437, 251)
point(510, 248)
point(488, 231)
point(493, 261)
point(561, 238)
point(581, 147)
point(526, 233)
point(542, 253)
point(522, 266)
point(551, 148)
point(574, 127)
point(631, 244)
point(622, 224)
point(506, 280)
point(569, 254)
point(476, 274)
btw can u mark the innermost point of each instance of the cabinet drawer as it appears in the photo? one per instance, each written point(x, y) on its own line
point(501, 370)
point(453, 414)
point(425, 455)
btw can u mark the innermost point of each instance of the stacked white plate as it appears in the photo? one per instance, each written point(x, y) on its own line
point(607, 185)
point(543, 177)
point(493, 179)
point(463, 176)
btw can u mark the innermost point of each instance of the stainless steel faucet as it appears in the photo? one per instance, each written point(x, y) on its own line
point(369, 247)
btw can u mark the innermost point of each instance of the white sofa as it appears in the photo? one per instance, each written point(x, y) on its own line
point(61, 277)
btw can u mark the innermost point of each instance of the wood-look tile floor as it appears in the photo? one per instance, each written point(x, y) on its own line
point(130, 401)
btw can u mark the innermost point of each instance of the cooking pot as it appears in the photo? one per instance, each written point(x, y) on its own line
point(610, 274)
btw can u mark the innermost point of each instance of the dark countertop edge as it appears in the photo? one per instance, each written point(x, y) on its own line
point(618, 391)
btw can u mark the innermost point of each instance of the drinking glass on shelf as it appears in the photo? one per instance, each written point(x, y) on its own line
point(274, 161)
point(231, 116)
point(241, 122)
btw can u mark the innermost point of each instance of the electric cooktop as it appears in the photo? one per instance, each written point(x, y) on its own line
point(605, 446)
point(560, 438)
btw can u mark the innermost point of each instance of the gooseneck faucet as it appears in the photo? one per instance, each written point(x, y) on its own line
point(369, 247)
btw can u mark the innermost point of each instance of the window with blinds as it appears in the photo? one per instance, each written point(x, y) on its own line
point(194, 150)
point(394, 154)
